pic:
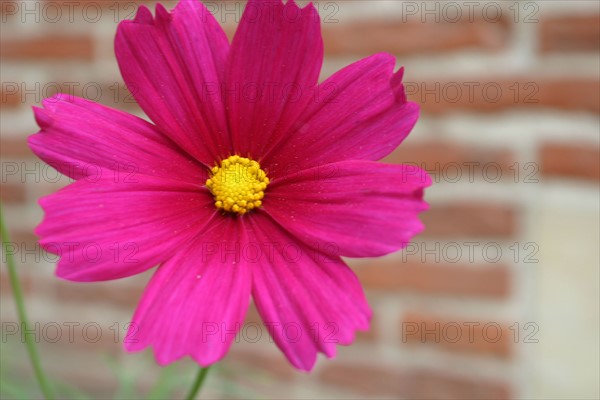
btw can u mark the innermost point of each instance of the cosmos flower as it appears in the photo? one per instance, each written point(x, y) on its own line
point(251, 183)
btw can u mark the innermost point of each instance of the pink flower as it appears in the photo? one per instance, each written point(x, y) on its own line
point(253, 181)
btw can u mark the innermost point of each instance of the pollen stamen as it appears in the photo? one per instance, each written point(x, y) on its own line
point(238, 185)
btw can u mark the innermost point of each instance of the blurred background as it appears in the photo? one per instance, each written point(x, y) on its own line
point(497, 299)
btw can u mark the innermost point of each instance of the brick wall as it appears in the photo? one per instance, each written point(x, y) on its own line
point(498, 298)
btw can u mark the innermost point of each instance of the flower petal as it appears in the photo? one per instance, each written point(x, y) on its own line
point(196, 302)
point(361, 113)
point(273, 69)
point(174, 66)
point(363, 208)
point(107, 230)
point(83, 139)
point(309, 301)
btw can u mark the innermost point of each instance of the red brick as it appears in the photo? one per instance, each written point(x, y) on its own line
point(447, 158)
point(412, 37)
point(414, 384)
point(117, 96)
point(570, 33)
point(470, 220)
point(8, 8)
point(253, 317)
point(473, 336)
point(112, 94)
point(6, 286)
point(12, 193)
point(488, 94)
point(18, 240)
point(110, 5)
point(48, 47)
point(243, 362)
point(9, 95)
point(230, 28)
point(98, 292)
point(571, 160)
point(24, 236)
point(572, 94)
point(15, 147)
point(450, 279)
point(372, 335)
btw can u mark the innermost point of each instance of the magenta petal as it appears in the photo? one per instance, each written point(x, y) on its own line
point(196, 302)
point(272, 71)
point(174, 66)
point(107, 230)
point(361, 113)
point(360, 208)
point(309, 301)
point(80, 139)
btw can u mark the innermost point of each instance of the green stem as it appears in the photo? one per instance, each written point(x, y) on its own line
point(197, 383)
point(18, 296)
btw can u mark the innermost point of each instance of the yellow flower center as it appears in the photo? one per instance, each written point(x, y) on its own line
point(238, 185)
